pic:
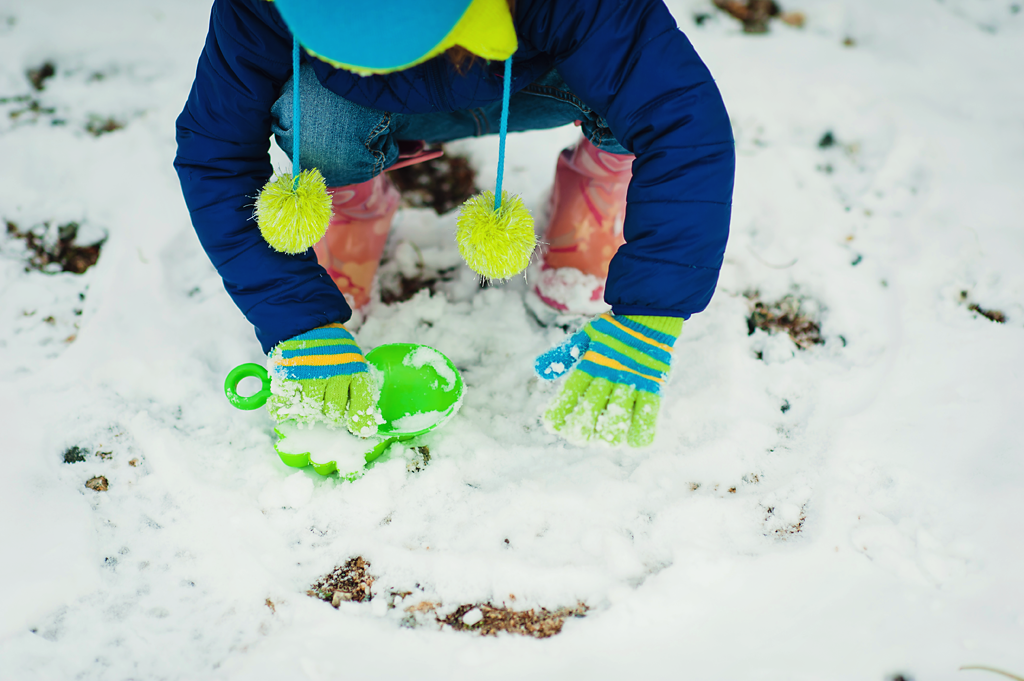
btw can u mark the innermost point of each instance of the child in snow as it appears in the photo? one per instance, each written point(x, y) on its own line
point(376, 81)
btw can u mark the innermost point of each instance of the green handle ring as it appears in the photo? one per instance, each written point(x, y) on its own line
point(235, 377)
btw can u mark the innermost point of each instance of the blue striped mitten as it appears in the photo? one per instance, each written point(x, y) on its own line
point(321, 375)
point(613, 393)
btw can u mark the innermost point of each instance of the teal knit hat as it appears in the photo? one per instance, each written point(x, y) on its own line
point(495, 231)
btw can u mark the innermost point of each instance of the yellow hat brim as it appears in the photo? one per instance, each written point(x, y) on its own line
point(486, 29)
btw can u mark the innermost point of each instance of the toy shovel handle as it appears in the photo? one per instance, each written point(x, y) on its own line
point(235, 377)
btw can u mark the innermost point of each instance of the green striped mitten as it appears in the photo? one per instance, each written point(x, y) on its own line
point(321, 375)
point(613, 392)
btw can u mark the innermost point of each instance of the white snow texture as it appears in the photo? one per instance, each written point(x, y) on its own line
point(853, 511)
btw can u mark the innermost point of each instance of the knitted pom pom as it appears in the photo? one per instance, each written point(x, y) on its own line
point(292, 217)
point(495, 244)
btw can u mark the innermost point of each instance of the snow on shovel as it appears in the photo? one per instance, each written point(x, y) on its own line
point(421, 390)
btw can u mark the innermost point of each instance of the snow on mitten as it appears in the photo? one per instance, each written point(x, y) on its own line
point(613, 392)
point(321, 375)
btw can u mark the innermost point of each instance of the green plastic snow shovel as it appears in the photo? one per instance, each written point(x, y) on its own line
point(421, 390)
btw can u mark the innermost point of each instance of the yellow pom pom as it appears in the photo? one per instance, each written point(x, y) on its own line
point(496, 245)
point(293, 218)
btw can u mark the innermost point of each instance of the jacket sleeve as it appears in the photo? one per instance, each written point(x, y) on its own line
point(631, 64)
point(223, 161)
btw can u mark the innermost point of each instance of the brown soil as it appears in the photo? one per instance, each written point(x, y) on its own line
point(98, 125)
point(754, 13)
point(29, 108)
point(442, 183)
point(405, 288)
point(33, 107)
point(40, 74)
point(75, 454)
point(541, 623)
point(420, 461)
point(97, 484)
point(785, 531)
point(349, 582)
point(794, 19)
point(352, 582)
point(783, 315)
point(994, 315)
point(70, 256)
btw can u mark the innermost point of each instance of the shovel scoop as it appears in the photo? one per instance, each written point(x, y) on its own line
point(420, 390)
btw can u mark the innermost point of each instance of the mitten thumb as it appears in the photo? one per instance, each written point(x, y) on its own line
point(557, 361)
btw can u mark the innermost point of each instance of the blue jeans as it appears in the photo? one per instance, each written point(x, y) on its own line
point(350, 143)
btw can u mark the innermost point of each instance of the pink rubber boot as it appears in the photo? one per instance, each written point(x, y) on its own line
point(588, 204)
point(354, 243)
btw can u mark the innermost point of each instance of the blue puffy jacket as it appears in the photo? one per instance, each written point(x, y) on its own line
point(626, 60)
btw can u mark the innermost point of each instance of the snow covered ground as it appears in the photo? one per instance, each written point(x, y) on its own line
point(852, 511)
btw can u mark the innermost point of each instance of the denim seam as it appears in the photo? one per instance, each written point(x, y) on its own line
point(556, 93)
point(379, 157)
point(599, 136)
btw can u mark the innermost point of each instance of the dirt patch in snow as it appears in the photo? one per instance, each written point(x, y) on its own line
point(419, 460)
point(403, 288)
point(75, 454)
point(40, 74)
point(101, 125)
point(405, 272)
point(486, 619)
point(992, 315)
point(98, 483)
point(442, 183)
point(784, 315)
point(349, 582)
point(755, 14)
point(54, 248)
point(352, 582)
point(34, 107)
point(784, 528)
point(29, 108)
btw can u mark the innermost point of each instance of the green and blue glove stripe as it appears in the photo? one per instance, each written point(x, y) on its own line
point(603, 362)
point(321, 375)
point(618, 367)
point(618, 349)
point(321, 353)
point(626, 352)
point(656, 344)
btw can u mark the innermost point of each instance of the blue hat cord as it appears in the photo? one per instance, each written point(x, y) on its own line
point(296, 118)
point(506, 95)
